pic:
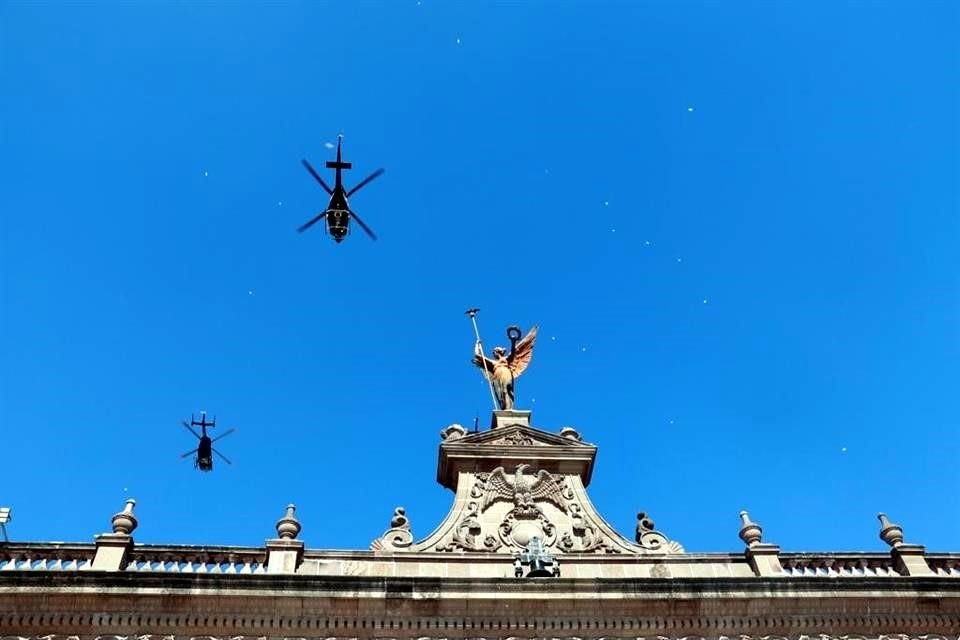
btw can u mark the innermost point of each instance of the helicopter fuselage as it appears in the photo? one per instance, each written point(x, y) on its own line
point(205, 454)
point(338, 215)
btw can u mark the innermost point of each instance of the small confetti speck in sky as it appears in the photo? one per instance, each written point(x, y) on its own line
point(704, 301)
point(280, 203)
point(553, 338)
point(328, 145)
point(613, 230)
point(671, 422)
point(606, 203)
point(679, 259)
point(843, 450)
point(689, 109)
point(583, 349)
point(647, 243)
point(458, 40)
point(205, 174)
point(250, 292)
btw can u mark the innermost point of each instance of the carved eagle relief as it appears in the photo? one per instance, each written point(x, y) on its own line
point(520, 491)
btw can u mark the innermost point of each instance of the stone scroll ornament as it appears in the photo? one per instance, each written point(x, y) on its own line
point(398, 536)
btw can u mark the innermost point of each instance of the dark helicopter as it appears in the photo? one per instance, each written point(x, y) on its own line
point(338, 212)
point(204, 451)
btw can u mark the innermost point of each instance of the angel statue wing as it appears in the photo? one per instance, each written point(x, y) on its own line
point(519, 360)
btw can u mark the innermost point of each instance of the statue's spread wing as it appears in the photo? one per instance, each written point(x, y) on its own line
point(546, 488)
point(522, 353)
point(498, 487)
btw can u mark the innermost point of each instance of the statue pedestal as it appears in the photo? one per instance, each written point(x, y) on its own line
point(510, 418)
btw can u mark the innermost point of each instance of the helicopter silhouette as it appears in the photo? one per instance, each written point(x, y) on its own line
point(204, 451)
point(338, 213)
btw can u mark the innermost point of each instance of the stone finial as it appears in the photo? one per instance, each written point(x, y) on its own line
point(453, 432)
point(288, 526)
point(399, 519)
point(890, 533)
point(750, 532)
point(570, 433)
point(125, 522)
point(644, 525)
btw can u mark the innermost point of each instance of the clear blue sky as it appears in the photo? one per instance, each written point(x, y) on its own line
point(736, 224)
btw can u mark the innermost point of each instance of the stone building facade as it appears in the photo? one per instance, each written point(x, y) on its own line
point(521, 554)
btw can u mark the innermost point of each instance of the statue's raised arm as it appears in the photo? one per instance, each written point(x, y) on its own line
point(482, 361)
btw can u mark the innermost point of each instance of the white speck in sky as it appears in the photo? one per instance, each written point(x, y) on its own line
point(458, 40)
point(843, 450)
point(647, 243)
point(329, 145)
point(689, 109)
point(613, 230)
point(583, 349)
point(704, 301)
point(279, 203)
point(546, 171)
point(606, 203)
point(671, 422)
point(534, 400)
point(250, 292)
point(679, 259)
point(554, 338)
point(205, 174)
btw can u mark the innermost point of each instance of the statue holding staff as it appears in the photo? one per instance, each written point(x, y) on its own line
point(502, 370)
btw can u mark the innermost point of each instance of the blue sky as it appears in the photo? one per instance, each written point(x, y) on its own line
point(735, 223)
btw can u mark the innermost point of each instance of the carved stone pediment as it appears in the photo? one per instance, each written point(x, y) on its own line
point(515, 482)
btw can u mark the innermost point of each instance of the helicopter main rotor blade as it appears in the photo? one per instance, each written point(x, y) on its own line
point(188, 453)
point(365, 181)
point(362, 224)
point(189, 428)
point(223, 435)
point(306, 226)
point(225, 459)
point(316, 175)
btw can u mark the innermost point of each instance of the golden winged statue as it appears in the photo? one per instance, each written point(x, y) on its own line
point(503, 369)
